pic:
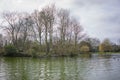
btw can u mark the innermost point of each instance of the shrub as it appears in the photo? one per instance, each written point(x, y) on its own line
point(1, 51)
point(31, 52)
point(85, 48)
point(10, 50)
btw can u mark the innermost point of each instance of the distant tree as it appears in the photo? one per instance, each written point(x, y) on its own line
point(82, 43)
point(101, 47)
point(105, 46)
point(84, 48)
point(115, 47)
point(94, 43)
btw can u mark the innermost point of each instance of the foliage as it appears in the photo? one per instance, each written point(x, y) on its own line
point(105, 46)
point(10, 50)
point(93, 44)
point(84, 48)
point(31, 52)
point(101, 48)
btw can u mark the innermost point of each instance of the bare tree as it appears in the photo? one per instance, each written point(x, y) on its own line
point(26, 24)
point(77, 31)
point(12, 28)
point(45, 21)
point(47, 16)
point(63, 16)
point(51, 20)
point(1, 40)
point(49, 26)
point(38, 24)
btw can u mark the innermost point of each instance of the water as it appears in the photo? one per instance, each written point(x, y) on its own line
point(86, 67)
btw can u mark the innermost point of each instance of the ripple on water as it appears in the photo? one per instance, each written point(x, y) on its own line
point(76, 68)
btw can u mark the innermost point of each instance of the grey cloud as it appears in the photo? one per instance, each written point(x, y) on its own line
point(100, 18)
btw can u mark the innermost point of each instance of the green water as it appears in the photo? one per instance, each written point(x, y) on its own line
point(86, 67)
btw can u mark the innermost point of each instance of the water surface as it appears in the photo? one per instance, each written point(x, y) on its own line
point(85, 67)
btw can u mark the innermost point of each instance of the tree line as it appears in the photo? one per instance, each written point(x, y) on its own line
point(50, 31)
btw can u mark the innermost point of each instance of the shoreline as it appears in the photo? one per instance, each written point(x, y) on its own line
point(56, 56)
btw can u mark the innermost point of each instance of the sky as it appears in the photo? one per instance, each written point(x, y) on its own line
point(99, 18)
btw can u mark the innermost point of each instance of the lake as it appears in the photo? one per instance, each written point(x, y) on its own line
point(84, 67)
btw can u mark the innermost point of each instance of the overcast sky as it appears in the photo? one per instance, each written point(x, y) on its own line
point(99, 18)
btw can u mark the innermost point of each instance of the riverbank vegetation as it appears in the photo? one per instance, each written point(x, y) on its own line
point(50, 31)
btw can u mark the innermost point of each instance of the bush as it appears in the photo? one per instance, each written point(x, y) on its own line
point(1, 51)
point(10, 50)
point(85, 49)
point(32, 52)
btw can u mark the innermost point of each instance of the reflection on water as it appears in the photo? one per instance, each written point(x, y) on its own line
point(85, 67)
